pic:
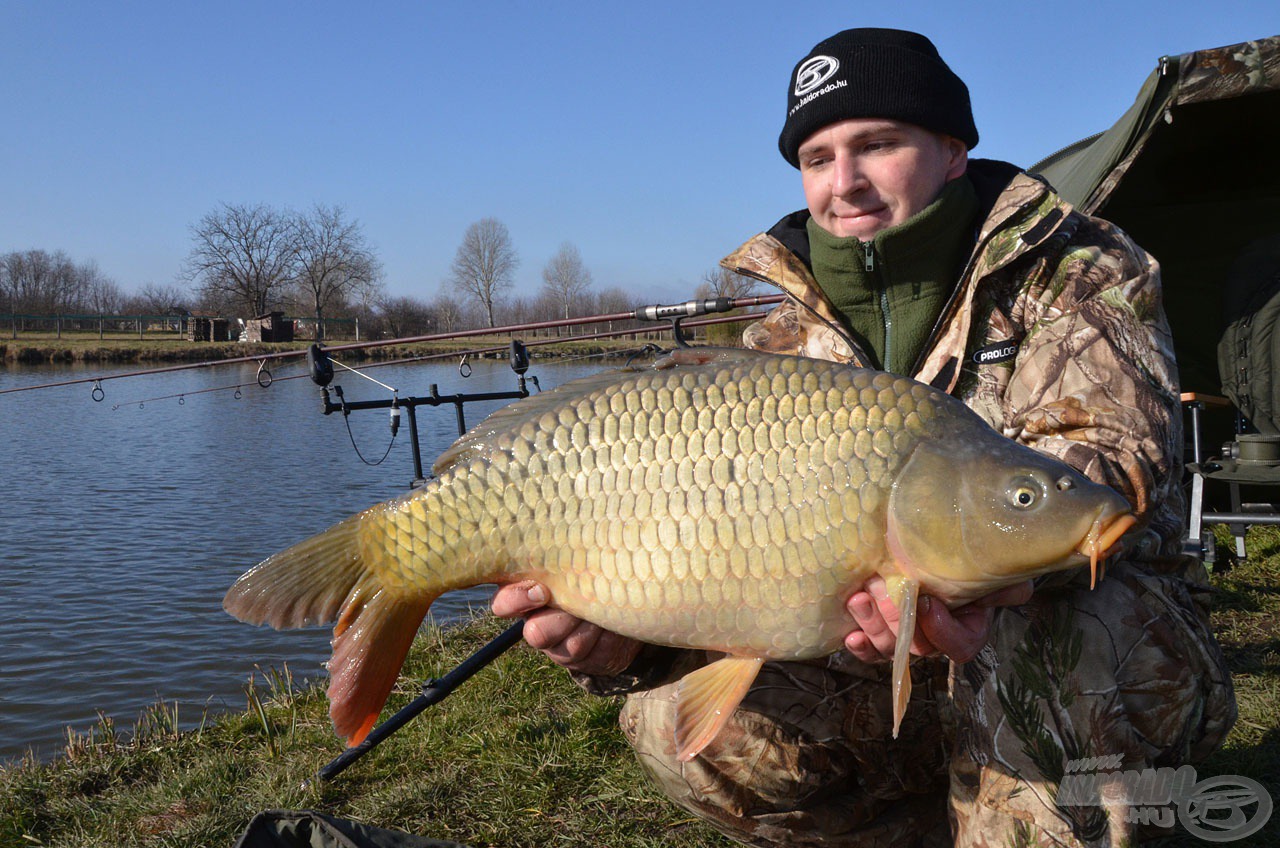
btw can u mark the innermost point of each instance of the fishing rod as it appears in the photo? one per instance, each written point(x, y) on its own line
point(267, 380)
point(676, 313)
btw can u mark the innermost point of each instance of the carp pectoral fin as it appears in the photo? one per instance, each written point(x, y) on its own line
point(904, 592)
point(707, 697)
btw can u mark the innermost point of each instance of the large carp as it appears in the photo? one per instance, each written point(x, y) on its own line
point(722, 500)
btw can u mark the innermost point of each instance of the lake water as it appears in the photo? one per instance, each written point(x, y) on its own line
point(124, 521)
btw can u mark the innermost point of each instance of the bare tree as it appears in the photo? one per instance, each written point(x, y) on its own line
point(100, 294)
point(40, 282)
point(565, 279)
point(484, 263)
point(449, 312)
point(244, 255)
point(156, 299)
point(721, 282)
point(615, 299)
point(334, 262)
point(399, 317)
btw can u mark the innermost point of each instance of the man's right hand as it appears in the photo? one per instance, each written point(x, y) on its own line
point(566, 640)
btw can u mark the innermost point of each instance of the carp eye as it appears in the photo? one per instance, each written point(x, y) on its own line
point(1024, 494)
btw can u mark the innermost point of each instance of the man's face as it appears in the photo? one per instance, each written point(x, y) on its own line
point(863, 175)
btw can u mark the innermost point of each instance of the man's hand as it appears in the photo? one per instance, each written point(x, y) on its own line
point(959, 634)
point(566, 640)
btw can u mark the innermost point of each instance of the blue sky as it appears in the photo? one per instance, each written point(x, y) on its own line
point(644, 133)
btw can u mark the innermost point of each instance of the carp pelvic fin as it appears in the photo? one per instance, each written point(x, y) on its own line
point(707, 697)
point(904, 593)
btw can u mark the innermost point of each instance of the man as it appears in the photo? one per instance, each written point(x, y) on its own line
point(978, 279)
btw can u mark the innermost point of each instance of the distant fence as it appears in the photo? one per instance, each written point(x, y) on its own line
point(160, 326)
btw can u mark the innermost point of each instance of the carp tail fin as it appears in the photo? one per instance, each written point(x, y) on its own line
point(707, 697)
point(305, 584)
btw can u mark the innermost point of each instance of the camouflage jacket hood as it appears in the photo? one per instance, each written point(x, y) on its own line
point(1055, 334)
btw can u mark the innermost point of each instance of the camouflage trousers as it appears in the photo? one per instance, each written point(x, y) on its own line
point(1129, 671)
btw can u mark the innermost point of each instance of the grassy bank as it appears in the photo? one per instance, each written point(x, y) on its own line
point(518, 756)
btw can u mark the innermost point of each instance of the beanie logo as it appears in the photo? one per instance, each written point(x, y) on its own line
point(814, 72)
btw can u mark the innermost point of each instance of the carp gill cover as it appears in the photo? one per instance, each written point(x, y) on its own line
point(722, 500)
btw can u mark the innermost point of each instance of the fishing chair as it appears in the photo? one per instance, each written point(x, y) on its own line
point(1248, 465)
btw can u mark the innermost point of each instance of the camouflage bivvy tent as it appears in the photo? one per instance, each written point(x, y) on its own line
point(1191, 171)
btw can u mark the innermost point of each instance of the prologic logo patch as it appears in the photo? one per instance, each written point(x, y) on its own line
point(995, 353)
point(814, 72)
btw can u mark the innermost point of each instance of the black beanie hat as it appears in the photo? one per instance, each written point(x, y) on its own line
point(875, 73)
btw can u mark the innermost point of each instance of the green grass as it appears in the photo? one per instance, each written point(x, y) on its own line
point(1246, 619)
point(517, 756)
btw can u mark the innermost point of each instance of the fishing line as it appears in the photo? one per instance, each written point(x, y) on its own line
point(346, 413)
point(346, 417)
point(358, 373)
point(264, 379)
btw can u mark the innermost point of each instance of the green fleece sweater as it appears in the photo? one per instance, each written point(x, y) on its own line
point(891, 290)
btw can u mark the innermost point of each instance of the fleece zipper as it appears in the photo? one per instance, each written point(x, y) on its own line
point(886, 318)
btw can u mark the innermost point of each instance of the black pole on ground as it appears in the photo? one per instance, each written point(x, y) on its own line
point(433, 692)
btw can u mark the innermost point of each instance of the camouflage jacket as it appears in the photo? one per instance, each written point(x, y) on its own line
point(1055, 335)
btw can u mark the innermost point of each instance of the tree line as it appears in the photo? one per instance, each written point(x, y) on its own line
point(38, 281)
point(249, 260)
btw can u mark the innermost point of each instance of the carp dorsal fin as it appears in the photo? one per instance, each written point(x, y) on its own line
point(904, 591)
point(694, 356)
point(707, 697)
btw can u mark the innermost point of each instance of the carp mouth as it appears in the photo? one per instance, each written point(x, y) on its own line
point(1101, 541)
